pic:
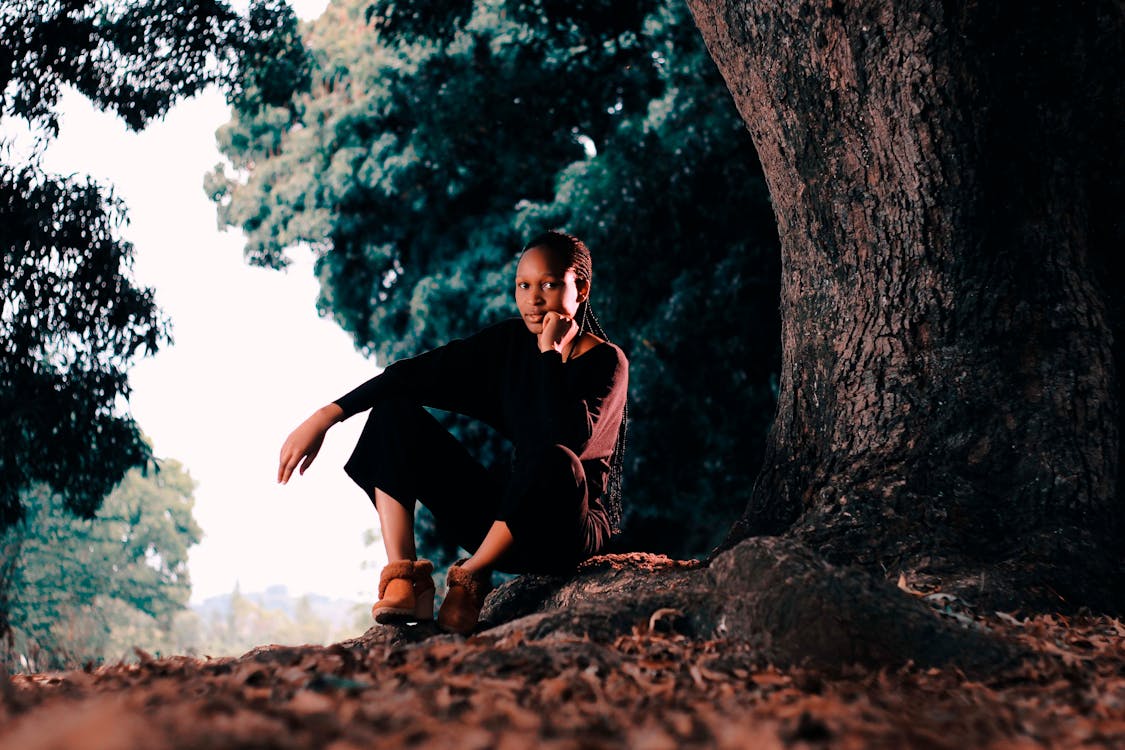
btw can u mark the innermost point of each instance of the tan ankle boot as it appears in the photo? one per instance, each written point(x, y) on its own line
point(406, 592)
point(464, 598)
point(423, 590)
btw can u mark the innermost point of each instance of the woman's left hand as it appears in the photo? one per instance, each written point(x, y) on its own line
point(558, 330)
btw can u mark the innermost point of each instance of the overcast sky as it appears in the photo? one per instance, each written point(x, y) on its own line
point(251, 359)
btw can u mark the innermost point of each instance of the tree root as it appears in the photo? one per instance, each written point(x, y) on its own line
point(771, 592)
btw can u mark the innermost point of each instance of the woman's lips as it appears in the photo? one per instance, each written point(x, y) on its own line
point(535, 318)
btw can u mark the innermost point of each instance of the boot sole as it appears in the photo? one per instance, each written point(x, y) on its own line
point(423, 610)
point(388, 616)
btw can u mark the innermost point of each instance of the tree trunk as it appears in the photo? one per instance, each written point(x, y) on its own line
point(945, 177)
point(10, 547)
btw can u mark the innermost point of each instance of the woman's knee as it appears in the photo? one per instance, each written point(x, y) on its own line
point(393, 421)
point(386, 441)
point(554, 460)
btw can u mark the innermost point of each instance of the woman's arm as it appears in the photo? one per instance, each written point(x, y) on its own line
point(454, 377)
point(457, 376)
point(572, 413)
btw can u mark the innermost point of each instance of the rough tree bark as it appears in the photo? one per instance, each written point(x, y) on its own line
point(945, 177)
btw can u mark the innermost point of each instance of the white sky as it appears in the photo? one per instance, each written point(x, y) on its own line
point(251, 359)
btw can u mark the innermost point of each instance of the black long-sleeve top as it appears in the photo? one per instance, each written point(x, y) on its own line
point(500, 376)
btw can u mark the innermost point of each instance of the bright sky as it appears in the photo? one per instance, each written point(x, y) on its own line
point(251, 360)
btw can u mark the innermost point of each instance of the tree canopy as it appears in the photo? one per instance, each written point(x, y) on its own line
point(71, 318)
point(424, 154)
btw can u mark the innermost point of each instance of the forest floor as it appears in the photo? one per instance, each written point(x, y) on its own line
point(648, 689)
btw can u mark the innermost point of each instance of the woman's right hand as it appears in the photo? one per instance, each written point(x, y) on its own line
point(305, 441)
point(558, 331)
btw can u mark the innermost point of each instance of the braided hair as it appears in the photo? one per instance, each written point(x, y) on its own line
point(574, 255)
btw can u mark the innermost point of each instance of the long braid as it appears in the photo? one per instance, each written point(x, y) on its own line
point(617, 461)
point(574, 253)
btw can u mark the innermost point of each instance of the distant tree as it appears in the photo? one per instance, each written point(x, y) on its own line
point(77, 582)
point(431, 144)
point(71, 318)
point(238, 622)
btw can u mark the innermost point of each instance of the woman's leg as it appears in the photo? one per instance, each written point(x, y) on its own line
point(546, 511)
point(543, 525)
point(396, 523)
point(496, 542)
point(539, 520)
point(404, 454)
point(553, 482)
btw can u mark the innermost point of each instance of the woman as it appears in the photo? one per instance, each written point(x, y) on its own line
point(555, 389)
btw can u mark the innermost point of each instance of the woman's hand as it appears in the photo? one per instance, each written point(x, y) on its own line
point(305, 441)
point(558, 330)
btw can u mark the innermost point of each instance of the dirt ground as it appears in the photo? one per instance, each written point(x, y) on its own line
point(651, 689)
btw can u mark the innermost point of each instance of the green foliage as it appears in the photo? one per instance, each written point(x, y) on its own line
point(71, 319)
point(78, 585)
point(141, 57)
point(421, 158)
point(72, 323)
point(439, 20)
point(272, 61)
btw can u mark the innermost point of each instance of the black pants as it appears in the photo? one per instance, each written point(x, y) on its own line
point(404, 451)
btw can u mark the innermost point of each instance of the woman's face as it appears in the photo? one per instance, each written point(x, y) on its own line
point(541, 285)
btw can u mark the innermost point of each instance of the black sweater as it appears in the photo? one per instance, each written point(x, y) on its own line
point(498, 375)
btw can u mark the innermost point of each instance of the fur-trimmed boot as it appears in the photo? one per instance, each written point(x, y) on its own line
point(406, 592)
point(464, 598)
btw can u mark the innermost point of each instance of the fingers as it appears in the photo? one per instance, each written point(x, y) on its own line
point(557, 329)
point(289, 458)
point(297, 447)
point(307, 462)
point(286, 470)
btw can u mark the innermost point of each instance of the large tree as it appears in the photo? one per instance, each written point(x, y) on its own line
point(947, 180)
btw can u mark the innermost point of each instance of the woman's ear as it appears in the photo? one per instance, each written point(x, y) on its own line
point(583, 286)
